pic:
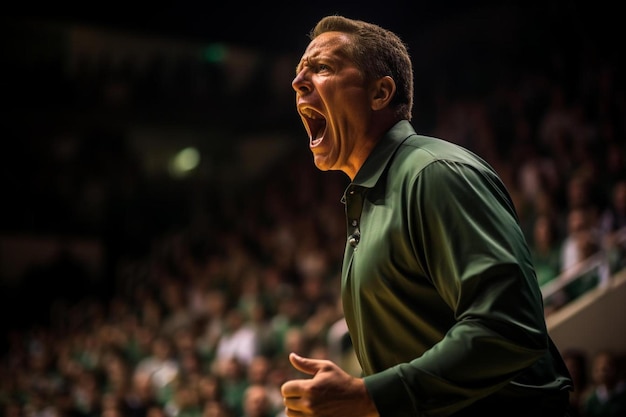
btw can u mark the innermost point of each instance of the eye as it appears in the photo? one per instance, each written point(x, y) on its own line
point(322, 67)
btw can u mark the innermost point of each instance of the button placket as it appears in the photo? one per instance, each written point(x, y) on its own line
point(354, 205)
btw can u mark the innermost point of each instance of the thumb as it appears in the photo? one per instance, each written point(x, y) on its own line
point(306, 365)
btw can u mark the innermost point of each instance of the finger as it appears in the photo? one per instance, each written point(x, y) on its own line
point(296, 406)
point(291, 389)
point(293, 403)
point(305, 365)
point(293, 413)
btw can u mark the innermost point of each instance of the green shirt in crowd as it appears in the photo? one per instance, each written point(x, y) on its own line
point(438, 287)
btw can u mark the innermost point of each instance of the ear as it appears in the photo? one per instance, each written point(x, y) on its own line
point(383, 91)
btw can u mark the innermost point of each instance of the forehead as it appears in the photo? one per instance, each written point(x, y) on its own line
point(334, 43)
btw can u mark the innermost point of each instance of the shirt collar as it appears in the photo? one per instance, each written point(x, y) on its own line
point(380, 156)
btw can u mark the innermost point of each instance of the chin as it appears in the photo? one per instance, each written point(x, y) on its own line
point(321, 162)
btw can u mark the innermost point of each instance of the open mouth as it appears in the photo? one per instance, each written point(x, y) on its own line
point(315, 124)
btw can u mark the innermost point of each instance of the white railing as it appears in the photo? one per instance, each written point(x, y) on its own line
point(600, 261)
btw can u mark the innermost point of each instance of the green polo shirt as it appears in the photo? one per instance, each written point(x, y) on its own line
point(438, 288)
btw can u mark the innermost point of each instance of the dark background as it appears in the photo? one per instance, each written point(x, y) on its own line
point(281, 26)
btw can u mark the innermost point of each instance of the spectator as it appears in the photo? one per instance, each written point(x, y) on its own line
point(256, 402)
point(210, 388)
point(239, 339)
point(161, 366)
point(214, 324)
point(579, 238)
point(232, 373)
point(545, 249)
point(177, 315)
point(613, 225)
point(184, 402)
point(576, 362)
point(259, 373)
point(141, 396)
point(607, 397)
point(216, 409)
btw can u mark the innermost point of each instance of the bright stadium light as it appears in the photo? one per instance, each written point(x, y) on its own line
point(185, 161)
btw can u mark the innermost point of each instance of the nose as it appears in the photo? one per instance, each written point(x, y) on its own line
point(300, 83)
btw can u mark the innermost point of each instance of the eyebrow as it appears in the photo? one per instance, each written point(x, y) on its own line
point(304, 62)
point(299, 66)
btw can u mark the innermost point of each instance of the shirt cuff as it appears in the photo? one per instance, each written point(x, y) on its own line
point(389, 393)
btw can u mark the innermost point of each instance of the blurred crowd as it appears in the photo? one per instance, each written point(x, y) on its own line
point(201, 323)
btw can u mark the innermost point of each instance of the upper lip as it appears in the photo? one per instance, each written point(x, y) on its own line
point(309, 112)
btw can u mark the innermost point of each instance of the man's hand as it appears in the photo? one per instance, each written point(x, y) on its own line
point(330, 393)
